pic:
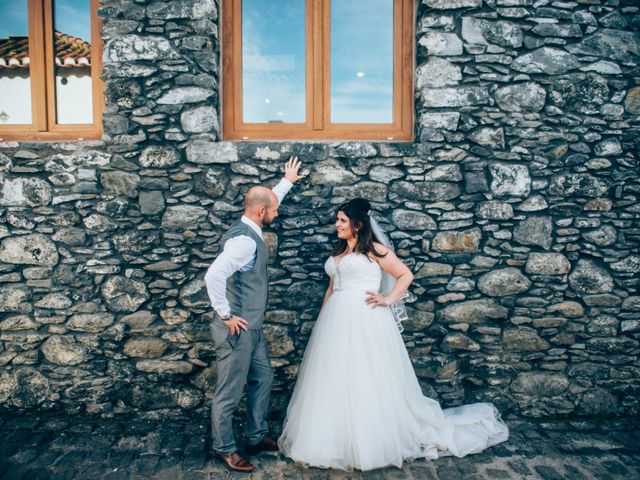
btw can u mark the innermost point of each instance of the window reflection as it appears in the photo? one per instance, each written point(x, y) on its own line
point(72, 45)
point(361, 61)
point(15, 81)
point(273, 61)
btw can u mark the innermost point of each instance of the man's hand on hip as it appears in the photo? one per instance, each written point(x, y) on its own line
point(235, 324)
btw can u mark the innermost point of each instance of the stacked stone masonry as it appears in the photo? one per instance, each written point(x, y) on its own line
point(517, 208)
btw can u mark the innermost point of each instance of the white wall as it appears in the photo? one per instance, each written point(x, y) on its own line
point(15, 96)
point(73, 99)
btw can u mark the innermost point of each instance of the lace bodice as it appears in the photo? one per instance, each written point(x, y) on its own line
point(354, 272)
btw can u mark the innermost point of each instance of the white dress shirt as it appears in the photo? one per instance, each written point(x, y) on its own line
point(239, 253)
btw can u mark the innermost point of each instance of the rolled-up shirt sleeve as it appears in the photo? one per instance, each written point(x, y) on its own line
point(237, 253)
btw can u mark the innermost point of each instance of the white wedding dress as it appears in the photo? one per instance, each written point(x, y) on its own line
point(357, 402)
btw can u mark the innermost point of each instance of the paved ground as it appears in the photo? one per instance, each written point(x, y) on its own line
point(59, 448)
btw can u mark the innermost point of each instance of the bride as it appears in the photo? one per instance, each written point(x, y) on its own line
point(357, 402)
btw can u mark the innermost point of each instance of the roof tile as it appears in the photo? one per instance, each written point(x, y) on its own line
point(70, 51)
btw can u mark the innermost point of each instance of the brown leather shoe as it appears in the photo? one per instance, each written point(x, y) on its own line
point(267, 444)
point(235, 462)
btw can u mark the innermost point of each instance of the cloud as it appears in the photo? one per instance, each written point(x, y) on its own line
point(362, 86)
point(285, 95)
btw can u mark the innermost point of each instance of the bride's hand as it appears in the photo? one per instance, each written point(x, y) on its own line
point(375, 299)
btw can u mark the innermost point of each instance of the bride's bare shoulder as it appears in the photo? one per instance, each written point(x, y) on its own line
point(381, 252)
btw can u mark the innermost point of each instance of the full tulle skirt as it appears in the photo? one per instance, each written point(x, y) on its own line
point(357, 403)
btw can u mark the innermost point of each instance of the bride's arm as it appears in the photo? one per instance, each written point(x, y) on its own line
point(391, 264)
point(328, 292)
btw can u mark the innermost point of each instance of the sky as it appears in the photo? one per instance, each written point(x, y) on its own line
point(71, 17)
point(274, 61)
point(13, 18)
point(362, 61)
point(273, 53)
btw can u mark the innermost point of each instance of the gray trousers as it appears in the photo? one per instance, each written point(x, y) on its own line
point(241, 360)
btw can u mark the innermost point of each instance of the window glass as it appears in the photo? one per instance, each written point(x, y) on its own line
point(72, 45)
point(273, 61)
point(361, 61)
point(15, 80)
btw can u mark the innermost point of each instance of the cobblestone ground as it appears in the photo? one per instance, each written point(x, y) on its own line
point(33, 448)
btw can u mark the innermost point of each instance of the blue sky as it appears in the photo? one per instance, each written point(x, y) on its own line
point(273, 52)
point(71, 17)
point(361, 61)
point(13, 18)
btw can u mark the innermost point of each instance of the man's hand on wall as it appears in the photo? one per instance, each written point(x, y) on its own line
point(291, 170)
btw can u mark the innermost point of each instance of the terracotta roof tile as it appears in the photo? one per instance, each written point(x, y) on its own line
point(70, 51)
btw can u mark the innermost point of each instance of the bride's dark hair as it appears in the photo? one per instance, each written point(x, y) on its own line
point(357, 210)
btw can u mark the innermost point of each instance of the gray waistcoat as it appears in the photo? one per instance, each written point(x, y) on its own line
point(247, 291)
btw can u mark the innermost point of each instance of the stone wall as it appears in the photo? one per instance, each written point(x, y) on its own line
point(516, 207)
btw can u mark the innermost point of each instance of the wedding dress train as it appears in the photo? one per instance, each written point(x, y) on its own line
point(357, 402)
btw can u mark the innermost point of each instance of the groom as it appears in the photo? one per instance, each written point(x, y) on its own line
point(237, 286)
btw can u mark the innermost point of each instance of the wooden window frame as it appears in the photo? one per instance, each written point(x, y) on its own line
point(318, 81)
point(42, 78)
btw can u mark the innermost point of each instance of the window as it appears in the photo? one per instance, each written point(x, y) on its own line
point(317, 69)
point(50, 86)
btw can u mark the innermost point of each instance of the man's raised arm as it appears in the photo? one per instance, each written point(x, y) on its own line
point(291, 176)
